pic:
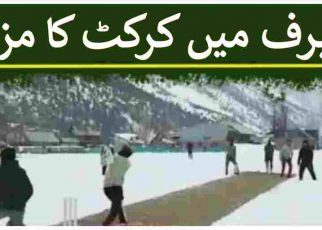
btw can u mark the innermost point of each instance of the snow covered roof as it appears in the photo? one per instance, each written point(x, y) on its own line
point(126, 136)
point(42, 137)
point(240, 128)
point(174, 134)
point(167, 141)
point(129, 137)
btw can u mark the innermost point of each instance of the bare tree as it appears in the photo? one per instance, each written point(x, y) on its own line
point(4, 127)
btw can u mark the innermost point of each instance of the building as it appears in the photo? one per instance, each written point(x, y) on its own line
point(211, 135)
point(69, 141)
point(41, 138)
point(88, 137)
point(204, 136)
point(162, 139)
point(241, 133)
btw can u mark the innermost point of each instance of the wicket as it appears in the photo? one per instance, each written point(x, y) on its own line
point(70, 211)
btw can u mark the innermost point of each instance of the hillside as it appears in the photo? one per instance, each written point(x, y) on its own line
point(117, 105)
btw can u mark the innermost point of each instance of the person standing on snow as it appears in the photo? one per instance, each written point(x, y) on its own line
point(231, 156)
point(305, 160)
point(286, 155)
point(113, 184)
point(269, 152)
point(190, 150)
point(15, 188)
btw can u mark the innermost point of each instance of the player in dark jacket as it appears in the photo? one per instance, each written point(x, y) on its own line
point(15, 188)
point(305, 160)
point(269, 152)
point(190, 150)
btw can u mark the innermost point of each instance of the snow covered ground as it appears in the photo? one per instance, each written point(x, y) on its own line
point(293, 202)
point(78, 175)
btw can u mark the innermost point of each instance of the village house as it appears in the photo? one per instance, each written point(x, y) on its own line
point(87, 137)
point(214, 135)
point(69, 141)
point(241, 133)
point(165, 139)
point(204, 136)
point(41, 138)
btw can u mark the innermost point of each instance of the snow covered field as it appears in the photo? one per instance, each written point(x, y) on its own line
point(57, 176)
point(293, 202)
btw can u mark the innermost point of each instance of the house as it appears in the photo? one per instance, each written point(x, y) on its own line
point(241, 133)
point(162, 139)
point(210, 135)
point(70, 141)
point(41, 138)
point(204, 135)
point(174, 135)
point(254, 139)
point(88, 137)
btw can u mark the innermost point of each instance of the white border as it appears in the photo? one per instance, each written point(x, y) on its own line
point(293, 2)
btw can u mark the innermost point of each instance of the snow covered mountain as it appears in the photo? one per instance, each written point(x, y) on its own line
point(118, 105)
point(241, 103)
